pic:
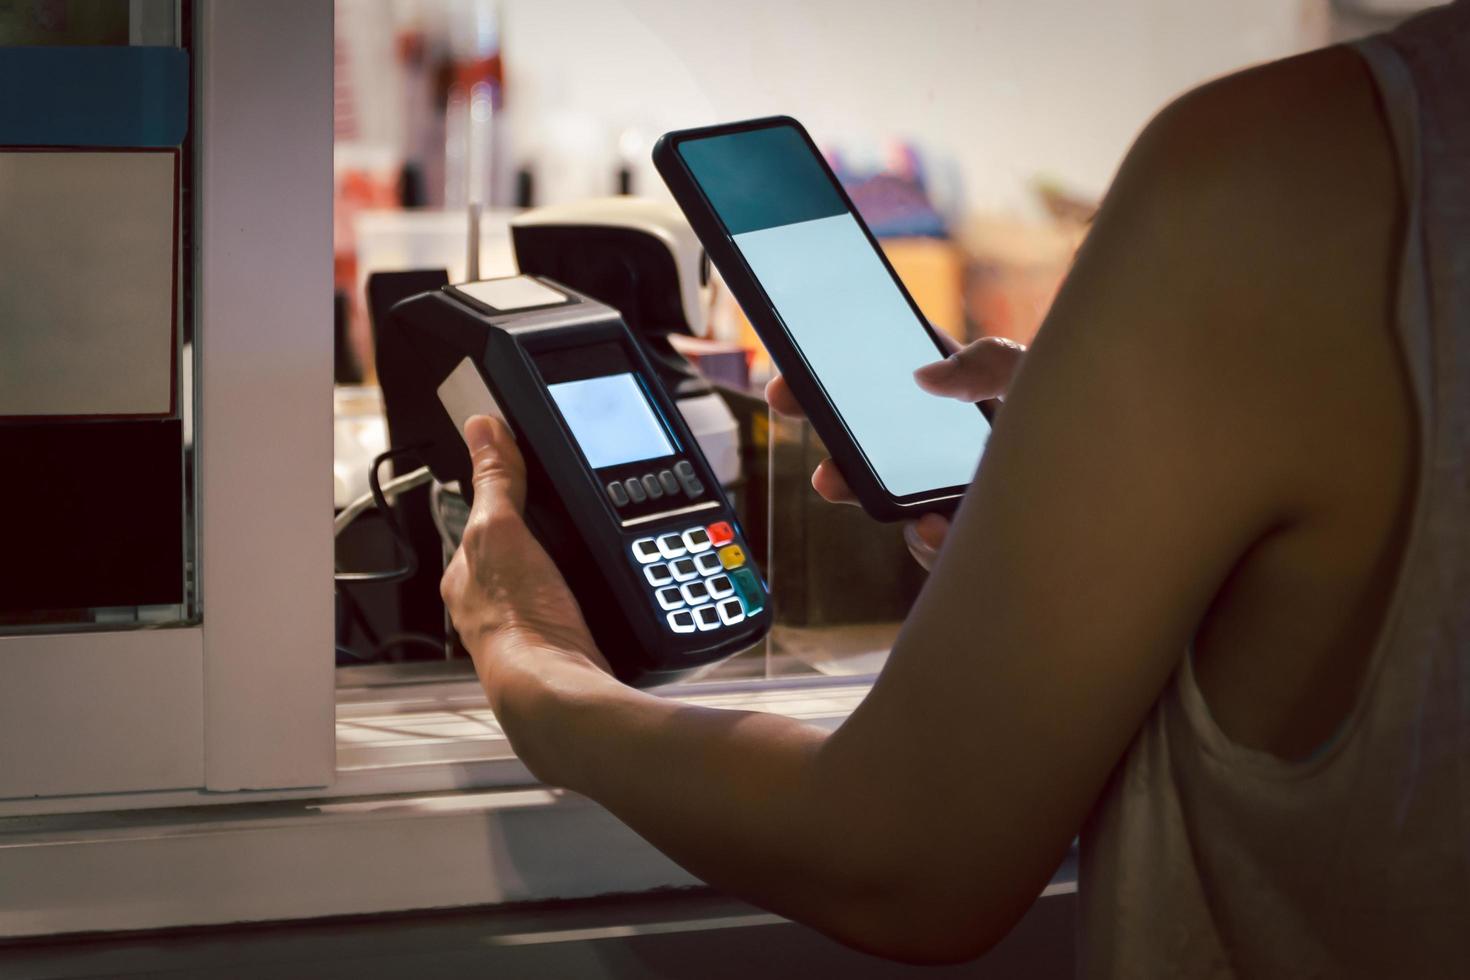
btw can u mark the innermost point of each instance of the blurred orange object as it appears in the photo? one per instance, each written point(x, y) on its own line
point(357, 187)
point(934, 272)
point(1013, 271)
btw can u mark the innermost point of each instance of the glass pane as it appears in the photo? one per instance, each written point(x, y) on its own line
point(96, 379)
point(843, 582)
point(422, 129)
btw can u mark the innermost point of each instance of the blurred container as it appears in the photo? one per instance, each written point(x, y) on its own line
point(1012, 272)
point(723, 362)
point(934, 271)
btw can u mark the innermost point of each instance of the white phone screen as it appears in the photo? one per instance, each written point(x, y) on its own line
point(840, 306)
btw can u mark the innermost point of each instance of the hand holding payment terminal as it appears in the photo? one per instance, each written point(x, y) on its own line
point(618, 491)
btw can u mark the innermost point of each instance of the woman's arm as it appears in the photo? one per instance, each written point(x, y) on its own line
point(1151, 440)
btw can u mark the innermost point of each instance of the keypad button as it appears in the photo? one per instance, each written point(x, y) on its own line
point(707, 617)
point(731, 611)
point(671, 545)
point(720, 534)
point(720, 586)
point(646, 550)
point(732, 556)
point(688, 479)
point(696, 539)
point(669, 482)
point(683, 569)
point(750, 590)
point(635, 490)
point(708, 563)
point(651, 484)
point(658, 574)
point(618, 495)
point(682, 621)
point(671, 597)
point(694, 593)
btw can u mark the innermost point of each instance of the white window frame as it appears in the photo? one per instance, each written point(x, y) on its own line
point(248, 706)
point(246, 699)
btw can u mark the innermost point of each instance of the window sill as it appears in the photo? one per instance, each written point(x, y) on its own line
point(430, 809)
point(408, 729)
point(439, 735)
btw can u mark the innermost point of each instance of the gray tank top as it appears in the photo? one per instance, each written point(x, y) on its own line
point(1207, 859)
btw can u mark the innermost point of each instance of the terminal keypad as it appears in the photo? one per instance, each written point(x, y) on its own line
point(635, 486)
point(700, 577)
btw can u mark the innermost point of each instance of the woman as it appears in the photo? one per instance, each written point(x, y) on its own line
point(1205, 603)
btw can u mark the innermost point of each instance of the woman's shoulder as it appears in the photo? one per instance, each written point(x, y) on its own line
point(1300, 138)
point(1280, 181)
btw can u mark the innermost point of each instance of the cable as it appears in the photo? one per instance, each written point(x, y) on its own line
point(409, 639)
point(436, 511)
point(400, 537)
point(391, 489)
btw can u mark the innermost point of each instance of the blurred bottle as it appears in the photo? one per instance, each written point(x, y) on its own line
point(474, 128)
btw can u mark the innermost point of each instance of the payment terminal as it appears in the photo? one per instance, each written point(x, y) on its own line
point(618, 491)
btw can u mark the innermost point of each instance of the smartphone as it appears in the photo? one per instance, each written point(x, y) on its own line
point(838, 323)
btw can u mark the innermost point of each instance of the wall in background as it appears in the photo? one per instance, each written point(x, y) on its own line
point(1004, 90)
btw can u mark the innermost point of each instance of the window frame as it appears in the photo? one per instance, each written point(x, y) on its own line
point(248, 705)
point(245, 699)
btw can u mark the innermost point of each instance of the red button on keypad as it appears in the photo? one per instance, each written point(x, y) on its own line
point(720, 533)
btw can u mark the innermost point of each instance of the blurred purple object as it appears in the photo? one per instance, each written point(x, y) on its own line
point(894, 201)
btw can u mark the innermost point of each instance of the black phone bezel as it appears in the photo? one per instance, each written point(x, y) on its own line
point(851, 461)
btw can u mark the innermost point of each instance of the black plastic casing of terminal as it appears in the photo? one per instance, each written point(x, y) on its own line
point(568, 507)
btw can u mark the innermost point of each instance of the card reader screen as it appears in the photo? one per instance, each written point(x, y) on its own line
point(611, 419)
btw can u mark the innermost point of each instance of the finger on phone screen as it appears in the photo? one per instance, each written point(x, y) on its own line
point(980, 370)
point(780, 398)
point(828, 482)
point(931, 529)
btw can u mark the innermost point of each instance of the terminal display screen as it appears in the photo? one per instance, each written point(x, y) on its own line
point(611, 419)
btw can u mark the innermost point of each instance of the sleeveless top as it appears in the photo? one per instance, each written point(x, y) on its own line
point(1204, 858)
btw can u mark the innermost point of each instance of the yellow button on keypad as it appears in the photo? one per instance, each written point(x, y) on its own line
point(732, 556)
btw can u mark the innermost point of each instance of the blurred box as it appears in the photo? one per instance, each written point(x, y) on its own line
point(933, 269)
point(1012, 271)
point(723, 362)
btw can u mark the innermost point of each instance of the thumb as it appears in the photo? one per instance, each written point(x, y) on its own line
point(499, 471)
point(980, 370)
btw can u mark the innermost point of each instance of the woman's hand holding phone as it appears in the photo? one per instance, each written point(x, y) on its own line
point(975, 372)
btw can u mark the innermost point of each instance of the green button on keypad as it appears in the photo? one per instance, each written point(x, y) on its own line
point(749, 587)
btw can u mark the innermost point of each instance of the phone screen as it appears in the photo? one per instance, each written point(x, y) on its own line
point(839, 304)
